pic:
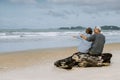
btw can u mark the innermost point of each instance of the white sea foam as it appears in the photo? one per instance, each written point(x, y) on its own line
point(111, 36)
point(45, 39)
point(109, 33)
point(20, 35)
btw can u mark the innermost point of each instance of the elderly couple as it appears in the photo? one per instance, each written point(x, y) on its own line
point(92, 44)
point(90, 51)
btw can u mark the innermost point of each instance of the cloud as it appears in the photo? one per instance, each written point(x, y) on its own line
point(91, 5)
point(55, 13)
point(84, 2)
point(24, 1)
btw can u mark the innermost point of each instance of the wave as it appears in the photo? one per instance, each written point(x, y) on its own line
point(42, 35)
point(18, 35)
point(45, 39)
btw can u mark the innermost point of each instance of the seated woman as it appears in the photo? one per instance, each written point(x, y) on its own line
point(84, 45)
point(83, 48)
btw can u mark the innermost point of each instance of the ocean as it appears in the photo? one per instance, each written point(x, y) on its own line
point(25, 39)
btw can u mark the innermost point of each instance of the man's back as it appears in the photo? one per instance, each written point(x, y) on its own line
point(97, 45)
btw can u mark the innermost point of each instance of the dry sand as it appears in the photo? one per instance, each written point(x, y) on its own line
point(38, 65)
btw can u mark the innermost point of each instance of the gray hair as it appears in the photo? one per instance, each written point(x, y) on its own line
point(98, 27)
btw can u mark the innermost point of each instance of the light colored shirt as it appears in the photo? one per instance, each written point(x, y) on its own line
point(84, 45)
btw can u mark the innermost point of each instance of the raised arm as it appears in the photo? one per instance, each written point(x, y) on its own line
point(78, 37)
point(91, 38)
point(83, 36)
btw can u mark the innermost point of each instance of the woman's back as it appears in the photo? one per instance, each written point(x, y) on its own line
point(84, 45)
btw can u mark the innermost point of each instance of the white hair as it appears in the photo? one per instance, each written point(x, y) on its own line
point(98, 27)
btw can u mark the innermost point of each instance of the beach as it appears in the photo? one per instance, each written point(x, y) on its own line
point(38, 64)
point(34, 34)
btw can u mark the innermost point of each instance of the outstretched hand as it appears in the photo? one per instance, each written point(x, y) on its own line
point(83, 36)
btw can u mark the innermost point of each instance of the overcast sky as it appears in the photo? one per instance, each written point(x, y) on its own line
point(58, 13)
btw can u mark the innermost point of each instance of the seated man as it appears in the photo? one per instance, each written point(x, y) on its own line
point(98, 41)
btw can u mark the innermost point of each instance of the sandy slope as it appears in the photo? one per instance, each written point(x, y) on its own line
point(38, 65)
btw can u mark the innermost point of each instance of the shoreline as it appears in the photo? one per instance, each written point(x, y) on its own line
point(38, 49)
point(53, 48)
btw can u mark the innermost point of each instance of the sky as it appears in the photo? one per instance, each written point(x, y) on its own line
point(58, 13)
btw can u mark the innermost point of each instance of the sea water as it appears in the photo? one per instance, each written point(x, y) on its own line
point(25, 39)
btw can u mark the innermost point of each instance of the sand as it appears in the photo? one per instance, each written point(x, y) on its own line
point(38, 65)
